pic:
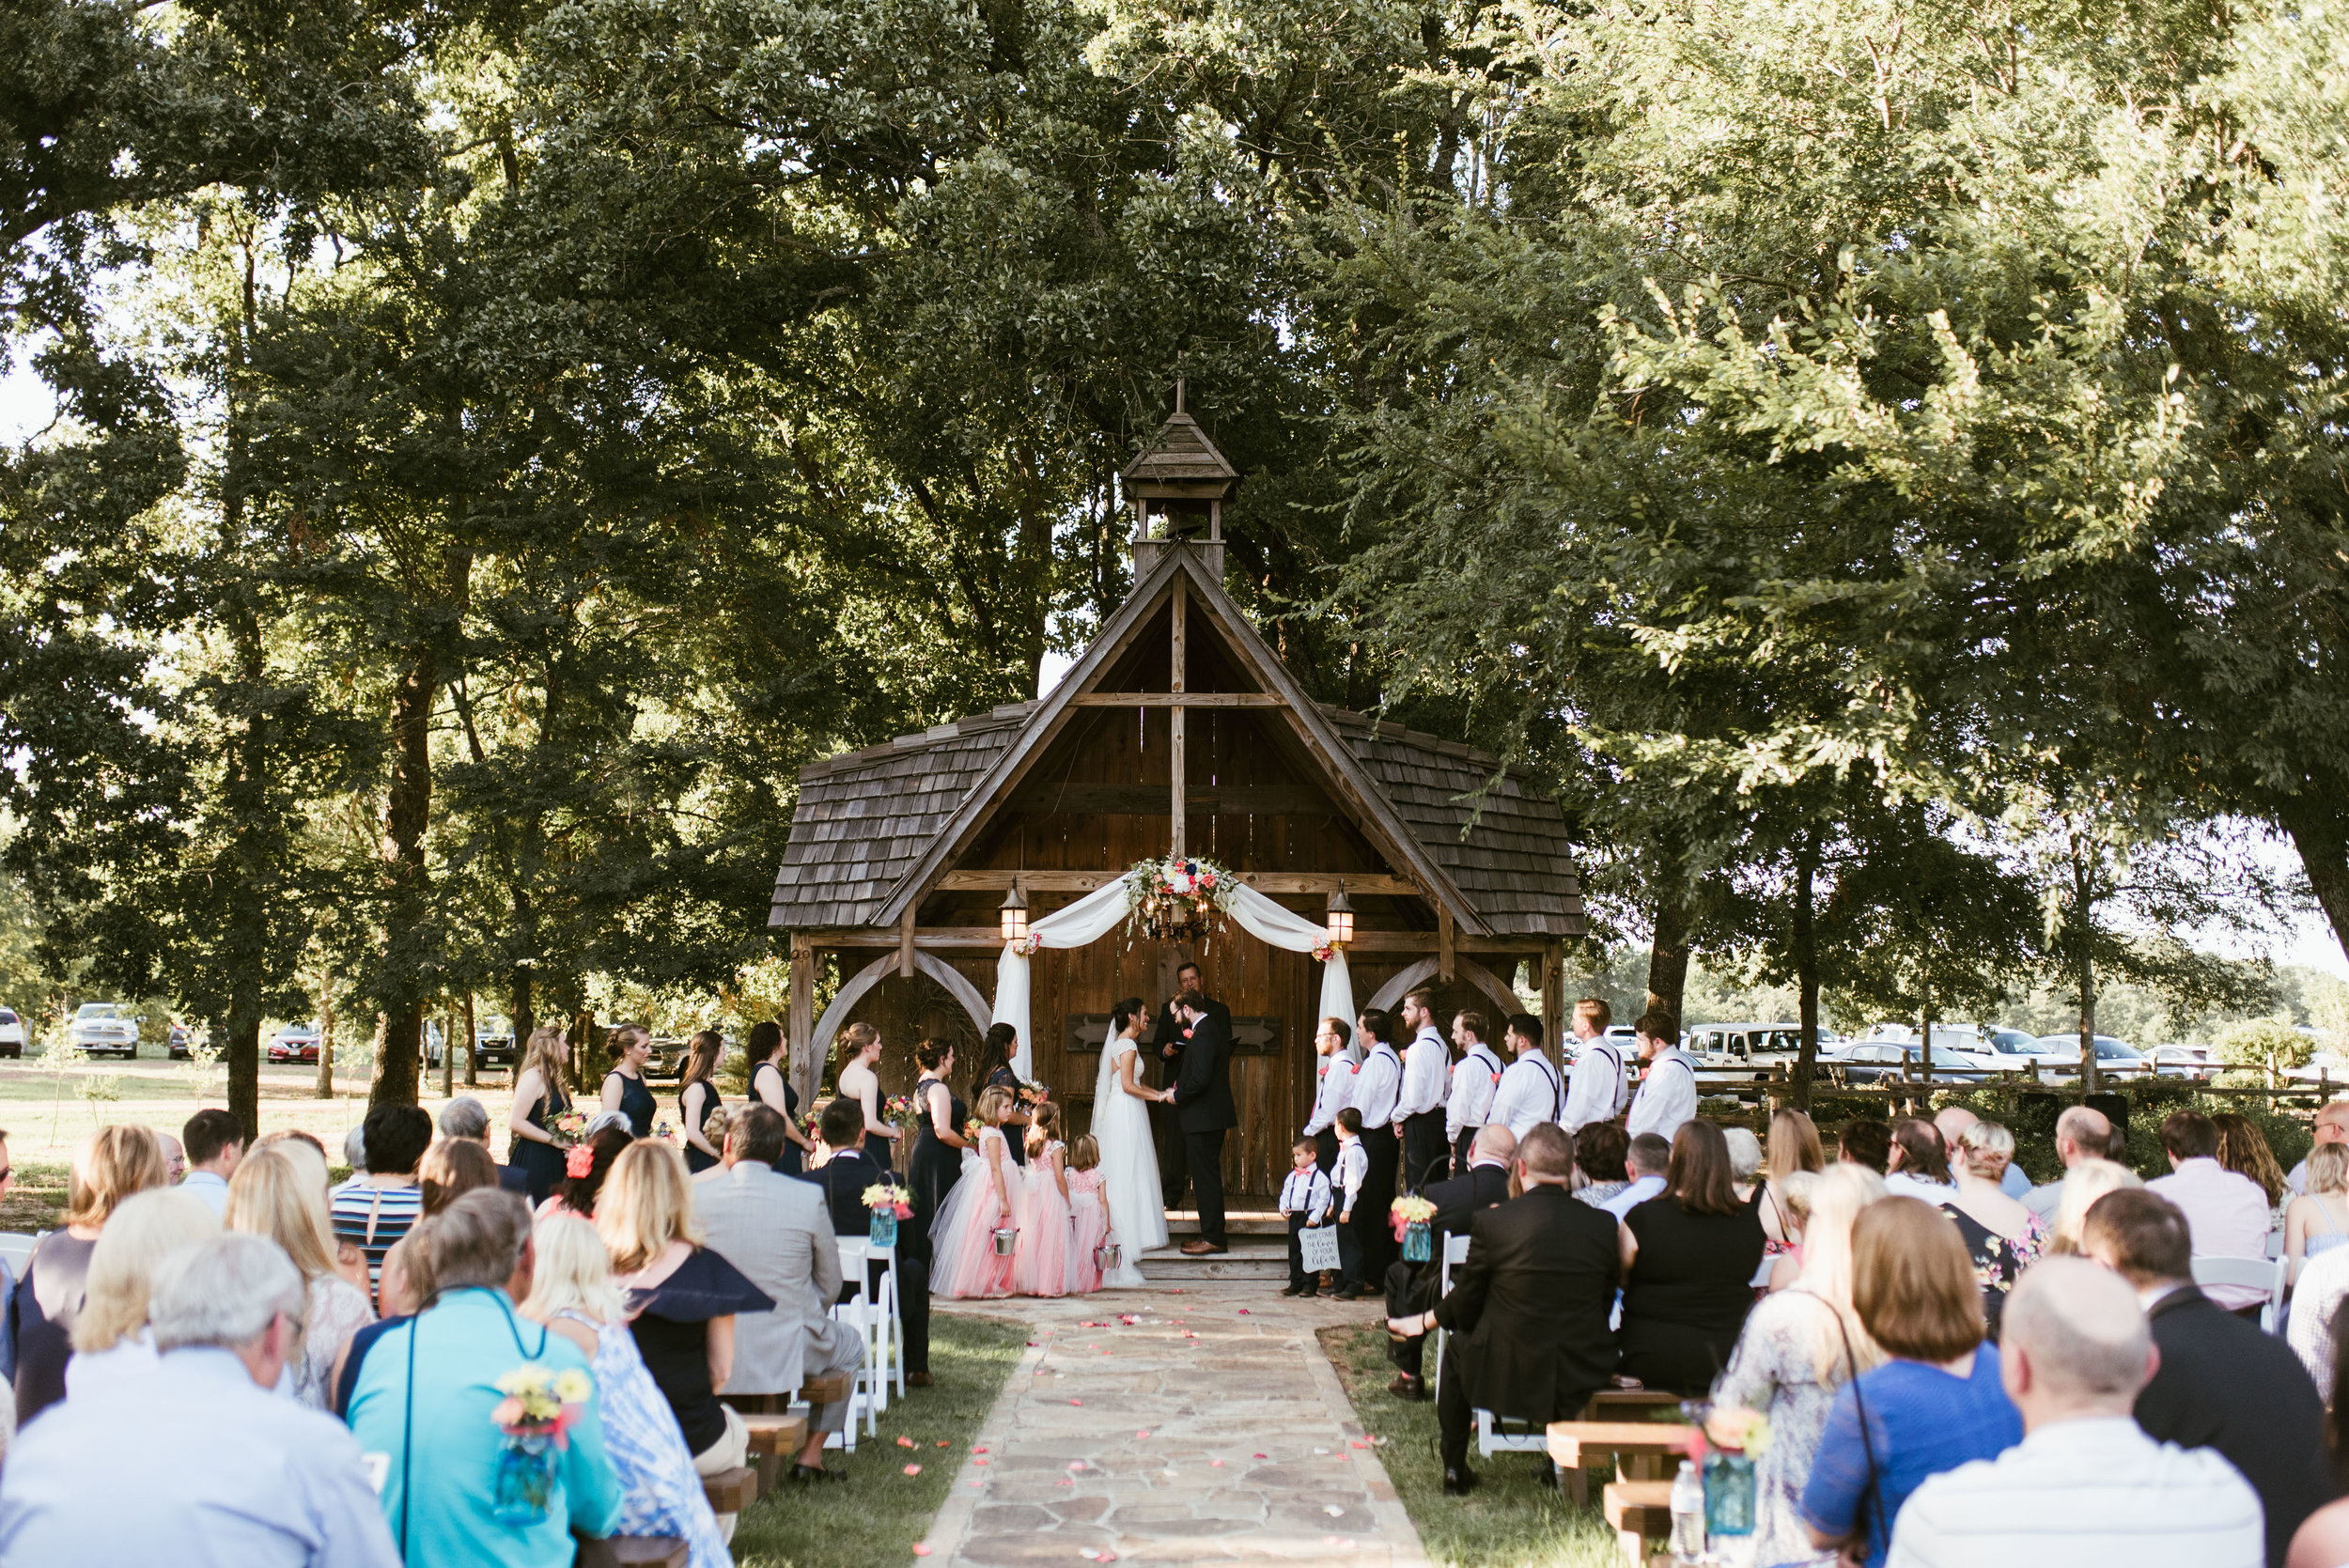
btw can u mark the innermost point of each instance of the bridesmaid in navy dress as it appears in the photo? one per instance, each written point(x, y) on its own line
point(771, 1085)
point(624, 1087)
point(697, 1097)
point(860, 1081)
point(539, 1098)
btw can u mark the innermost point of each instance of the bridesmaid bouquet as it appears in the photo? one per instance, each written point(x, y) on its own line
point(568, 1126)
point(898, 1111)
point(971, 1131)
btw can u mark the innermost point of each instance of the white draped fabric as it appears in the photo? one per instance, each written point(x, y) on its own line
point(1102, 910)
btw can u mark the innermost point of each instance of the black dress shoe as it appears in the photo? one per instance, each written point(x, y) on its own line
point(1351, 1293)
point(1406, 1386)
point(809, 1474)
point(1459, 1482)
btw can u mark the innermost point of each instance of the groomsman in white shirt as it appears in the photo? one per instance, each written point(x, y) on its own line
point(1418, 1110)
point(1667, 1091)
point(1475, 1078)
point(1334, 1090)
point(1378, 1090)
point(1529, 1090)
point(1596, 1093)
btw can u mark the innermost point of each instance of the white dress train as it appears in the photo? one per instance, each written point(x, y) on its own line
point(1130, 1169)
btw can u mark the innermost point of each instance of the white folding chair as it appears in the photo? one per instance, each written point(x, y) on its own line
point(16, 1250)
point(893, 1312)
point(864, 1313)
point(2265, 1274)
point(1762, 1276)
point(1455, 1253)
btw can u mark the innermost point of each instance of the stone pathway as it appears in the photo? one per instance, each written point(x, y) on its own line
point(1198, 1426)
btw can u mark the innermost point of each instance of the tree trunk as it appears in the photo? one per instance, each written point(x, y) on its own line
point(325, 1090)
point(448, 1057)
point(2085, 963)
point(473, 1053)
point(1806, 970)
point(1668, 955)
point(2320, 832)
point(407, 812)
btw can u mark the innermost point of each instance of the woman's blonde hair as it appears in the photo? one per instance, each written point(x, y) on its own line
point(1989, 1148)
point(646, 1202)
point(1084, 1152)
point(1794, 1145)
point(550, 1052)
point(271, 1195)
point(109, 1166)
point(1837, 1196)
point(2328, 1168)
point(573, 1272)
point(2086, 1182)
point(623, 1037)
point(1794, 1192)
point(146, 1228)
point(995, 1103)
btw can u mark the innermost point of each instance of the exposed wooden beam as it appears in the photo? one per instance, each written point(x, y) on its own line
point(1177, 699)
point(1178, 778)
point(1554, 996)
point(985, 939)
point(1444, 944)
point(801, 1015)
point(1263, 881)
point(1096, 800)
point(905, 940)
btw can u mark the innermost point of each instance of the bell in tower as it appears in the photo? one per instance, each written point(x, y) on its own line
point(1177, 488)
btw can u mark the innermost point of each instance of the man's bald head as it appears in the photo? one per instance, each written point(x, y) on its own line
point(1495, 1141)
point(2073, 1341)
point(1952, 1123)
point(2081, 1133)
point(2332, 1122)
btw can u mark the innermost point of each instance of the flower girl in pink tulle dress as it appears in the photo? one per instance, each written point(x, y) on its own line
point(1044, 1209)
point(1089, 1215)
point(985, 1197)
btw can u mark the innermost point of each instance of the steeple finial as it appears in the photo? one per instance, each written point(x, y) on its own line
point(1178, 394)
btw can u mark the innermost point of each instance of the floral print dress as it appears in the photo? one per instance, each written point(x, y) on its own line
point(1775, 1370)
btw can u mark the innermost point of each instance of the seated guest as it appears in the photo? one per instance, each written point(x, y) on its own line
point(375, 1208)
point(1527, 1316)
point(682, 1300)
point(2314, 1328)
point(585, 1165)
point(2222, 1384)
point(776, 1229)
point(467, 1118)
point(426, 1398)
point(1413, 1287)
point(2080, 1133)
point(452, 1167)
point(1920, 1168)
point(214, 1143)
point(2317, 1221)
point(1977, 1160)
point(1690, 1257)
point(200, 1462)
point(1795, 1149)
point(112, 1345)
point(1599, 1153)
point(843, 1170)
point(2076, 1193)
point(1791, 1195)
point(2243, 1149)
point(1646, 1157)
point(276, 1195)
point(2331, 1126)
point(1797, 1349)
point(406, 1286)
point(1863, 1141)
point(109, 1166)
point(2226, 1213)
point(1935, 1405)
point(571, 1292)
point(1744, 1165)
point(309, 1158)
point(1919, 1162)
point(2086, 1482)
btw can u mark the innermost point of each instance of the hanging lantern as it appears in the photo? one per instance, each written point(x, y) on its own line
point(1014, 913)
point(1340, 918)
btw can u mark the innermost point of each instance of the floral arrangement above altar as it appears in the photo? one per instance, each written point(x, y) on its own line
point(1171, 900)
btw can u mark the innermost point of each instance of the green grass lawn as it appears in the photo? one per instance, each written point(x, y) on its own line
point(36, 1196)
point(876, 1517)
point(1511, 1521)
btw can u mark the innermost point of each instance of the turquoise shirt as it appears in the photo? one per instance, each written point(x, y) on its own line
point(463, 1347)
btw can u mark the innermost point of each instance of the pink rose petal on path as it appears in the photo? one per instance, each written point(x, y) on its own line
point(921, 1549)
point(913, 1470)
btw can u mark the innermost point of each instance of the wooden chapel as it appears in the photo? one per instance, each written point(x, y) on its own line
point(1177, 731)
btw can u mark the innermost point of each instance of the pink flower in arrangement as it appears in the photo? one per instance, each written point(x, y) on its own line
point(579, 1161)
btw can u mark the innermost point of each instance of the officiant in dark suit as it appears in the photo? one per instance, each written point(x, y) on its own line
point(1202, 1106)
point(1165, 1060)
point(1528, 1311)
point(1412, 1287)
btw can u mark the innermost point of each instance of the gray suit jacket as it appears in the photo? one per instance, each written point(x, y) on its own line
point(776, 1229)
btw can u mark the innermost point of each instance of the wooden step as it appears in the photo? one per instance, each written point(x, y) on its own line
point(731, 1491)
point(1641, 1506)
point(1184, 1224)
point(1250, 1258)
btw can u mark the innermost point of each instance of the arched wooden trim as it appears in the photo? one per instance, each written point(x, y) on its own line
point(1466, 969)
point(951, 980)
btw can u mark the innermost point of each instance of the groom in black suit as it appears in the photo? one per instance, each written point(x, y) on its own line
point(1203, 1105)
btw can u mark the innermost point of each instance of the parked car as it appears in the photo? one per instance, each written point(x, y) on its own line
point(1731, 1052)
point(182, 1038)
point(493, 1042)
point(295, 1043)
point(104, 1029)
point(2188, 1062)
point(2112, 1055)
point(2324, 1066)
point(1958, 1051)
point(11, 1032)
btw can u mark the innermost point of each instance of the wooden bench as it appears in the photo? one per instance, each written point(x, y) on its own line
point(1640, 1512)
point(1639, 1449)
point(1631, 1405)
point(827, 1391)
point(731, 1491)
point(648, 1551)
point(774, 1440)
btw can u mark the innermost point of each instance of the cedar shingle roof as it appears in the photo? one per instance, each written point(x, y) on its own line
point(866, 818)
point(1182, 452)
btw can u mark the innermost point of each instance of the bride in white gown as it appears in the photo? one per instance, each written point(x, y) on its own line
point(1130, 1159)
